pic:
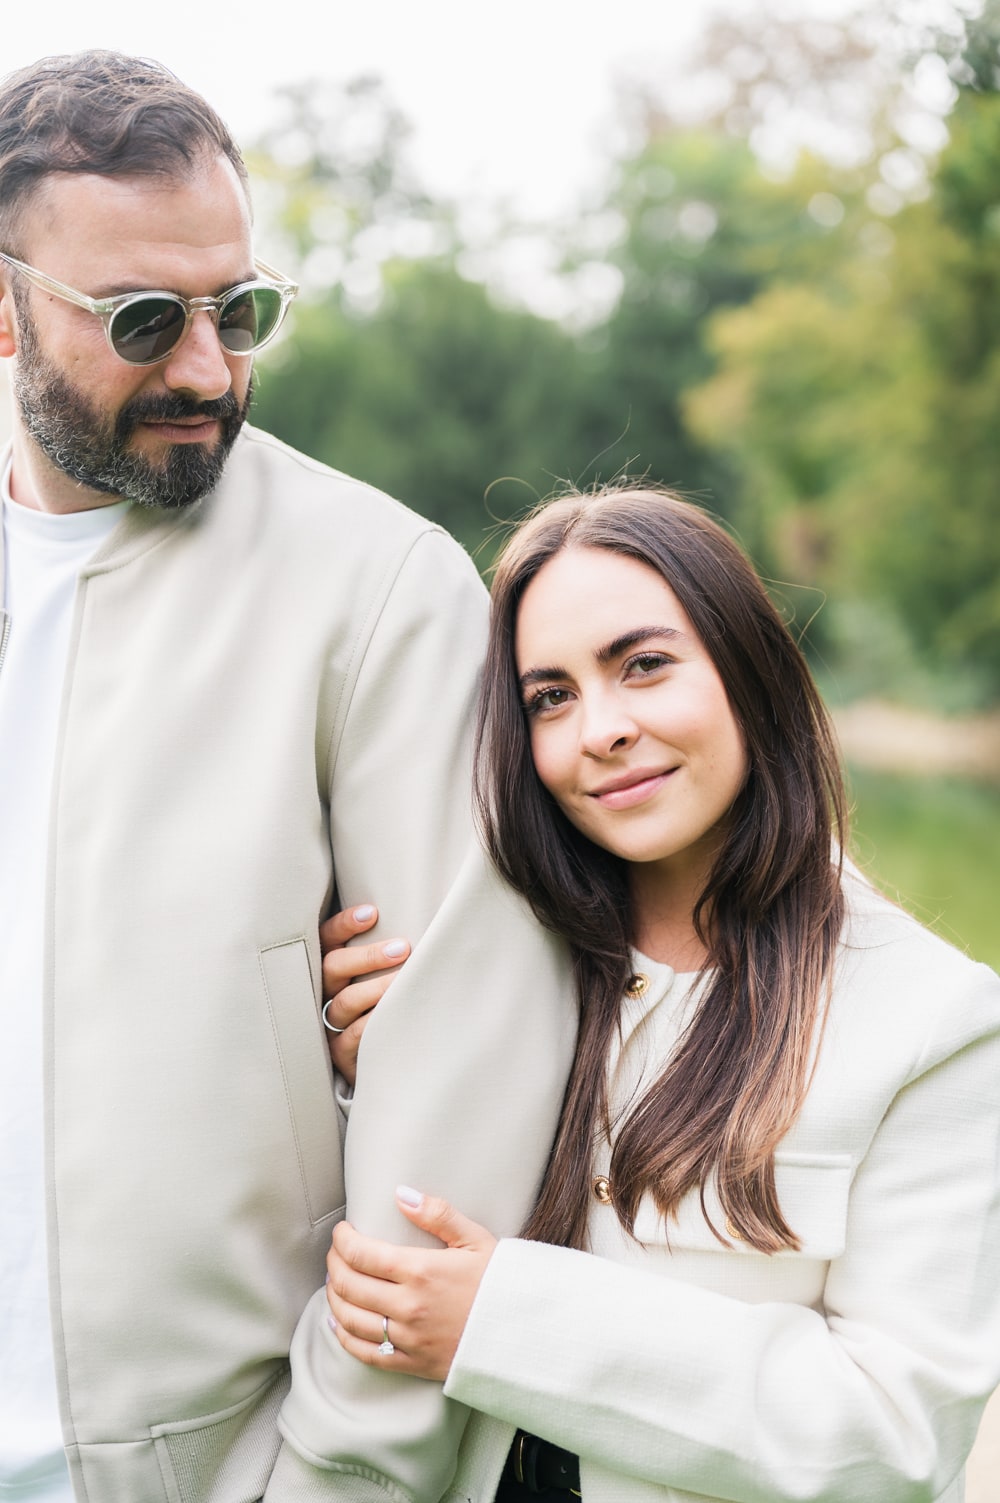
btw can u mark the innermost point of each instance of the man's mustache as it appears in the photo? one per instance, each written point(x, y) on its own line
point(164, 407)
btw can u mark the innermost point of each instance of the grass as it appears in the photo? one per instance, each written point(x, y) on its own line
point(934, 845)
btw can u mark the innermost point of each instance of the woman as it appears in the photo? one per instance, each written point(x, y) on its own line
point(765, 1262)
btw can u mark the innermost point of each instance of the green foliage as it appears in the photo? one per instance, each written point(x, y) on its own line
point(860, 407)
point(975, 64)
point(703, 231)
point(332, 176)
point(435, 397)
point(933, 845)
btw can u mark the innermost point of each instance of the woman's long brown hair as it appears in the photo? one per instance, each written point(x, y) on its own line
point(770, 914)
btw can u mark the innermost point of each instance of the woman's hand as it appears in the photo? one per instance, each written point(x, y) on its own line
point(355, 978)
point(424, 1294)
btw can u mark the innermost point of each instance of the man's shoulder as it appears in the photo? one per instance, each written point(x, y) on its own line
point(305, 491)
point(321, 531)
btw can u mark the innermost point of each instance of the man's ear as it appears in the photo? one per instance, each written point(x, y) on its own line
point(8, 319)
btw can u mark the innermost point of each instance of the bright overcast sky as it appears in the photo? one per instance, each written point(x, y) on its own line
point(512, 100)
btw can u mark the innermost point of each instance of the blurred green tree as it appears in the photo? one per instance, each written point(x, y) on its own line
point(333, 180)
point(399, 369)
point(704, 231)
point(436, 395)
point(718, 202)
point(861, 410)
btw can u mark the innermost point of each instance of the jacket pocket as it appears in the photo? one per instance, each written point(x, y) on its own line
point(813, 1192)
point(317, 1125)
point(225, 1457)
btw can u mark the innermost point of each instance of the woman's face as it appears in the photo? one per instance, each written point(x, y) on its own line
point(631, 728)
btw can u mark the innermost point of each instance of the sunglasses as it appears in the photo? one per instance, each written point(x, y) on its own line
point(144, 327)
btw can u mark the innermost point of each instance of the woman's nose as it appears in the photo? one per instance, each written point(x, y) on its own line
point(606, 726)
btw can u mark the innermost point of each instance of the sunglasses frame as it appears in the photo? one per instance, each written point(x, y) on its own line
point(105, 308)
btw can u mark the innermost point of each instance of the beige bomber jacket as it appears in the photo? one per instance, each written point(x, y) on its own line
point(267, 708)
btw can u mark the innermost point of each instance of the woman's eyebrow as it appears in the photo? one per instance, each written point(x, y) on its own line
point(609, 652)
point(615, 648)
point(539, 675)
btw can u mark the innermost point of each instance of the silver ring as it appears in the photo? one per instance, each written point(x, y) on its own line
point(326, 1021)
point(387, 1348)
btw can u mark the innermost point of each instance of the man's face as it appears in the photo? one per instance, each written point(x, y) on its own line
point(158, 434)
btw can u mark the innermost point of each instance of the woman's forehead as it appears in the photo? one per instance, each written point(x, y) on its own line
point(584, 597)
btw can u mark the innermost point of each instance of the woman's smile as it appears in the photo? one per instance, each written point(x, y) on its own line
point(630, 788)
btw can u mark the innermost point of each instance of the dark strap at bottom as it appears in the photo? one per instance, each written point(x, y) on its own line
point(537, 1469)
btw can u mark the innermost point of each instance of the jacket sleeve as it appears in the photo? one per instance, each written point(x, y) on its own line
point(875, 1394)
point(463, 1063)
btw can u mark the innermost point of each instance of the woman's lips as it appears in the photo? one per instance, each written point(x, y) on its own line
point(630, 789)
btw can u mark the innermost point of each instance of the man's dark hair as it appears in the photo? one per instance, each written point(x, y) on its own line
point(104, 113)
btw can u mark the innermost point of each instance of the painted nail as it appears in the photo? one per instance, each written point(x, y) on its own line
point(364, 913)
point(331, 1322)
point(409, 1197)
point(394, 948)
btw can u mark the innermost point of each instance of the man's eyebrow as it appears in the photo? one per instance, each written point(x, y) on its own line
point(609, 652)
point(128, 288)
point(120, 289)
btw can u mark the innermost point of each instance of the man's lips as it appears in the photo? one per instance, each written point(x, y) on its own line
point(192, 430)
point(631, 787)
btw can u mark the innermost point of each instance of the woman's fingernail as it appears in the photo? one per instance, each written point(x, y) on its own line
point(411, 1198)
point(394, 948)
point(327, 1279)
point(364, 913)
point(331, 1322)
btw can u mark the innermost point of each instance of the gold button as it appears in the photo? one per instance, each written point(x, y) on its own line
point(602, 1189)
point(732, 1231)
point(638, 986)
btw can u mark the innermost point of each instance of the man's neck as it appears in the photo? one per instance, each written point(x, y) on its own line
point(39, 485)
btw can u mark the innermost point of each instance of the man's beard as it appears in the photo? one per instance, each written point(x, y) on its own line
point(93, 450)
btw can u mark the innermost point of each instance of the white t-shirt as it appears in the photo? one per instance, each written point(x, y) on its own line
point(43, 557)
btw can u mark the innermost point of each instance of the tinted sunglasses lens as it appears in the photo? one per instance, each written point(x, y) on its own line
point(147, 330)
point(249, 318)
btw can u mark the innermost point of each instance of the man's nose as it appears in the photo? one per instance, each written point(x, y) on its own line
point(198, 365)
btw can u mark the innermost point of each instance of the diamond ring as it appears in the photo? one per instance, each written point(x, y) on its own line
point(387, 1348)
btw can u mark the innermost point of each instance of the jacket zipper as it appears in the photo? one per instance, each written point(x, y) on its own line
point(4, 634)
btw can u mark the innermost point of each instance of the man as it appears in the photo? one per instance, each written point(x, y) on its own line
point(234, 692)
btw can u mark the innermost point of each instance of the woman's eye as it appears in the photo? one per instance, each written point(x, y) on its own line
point(647, 662)
point(546, 699)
